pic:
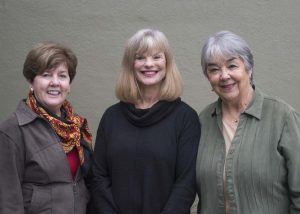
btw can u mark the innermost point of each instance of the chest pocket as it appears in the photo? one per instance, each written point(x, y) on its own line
point(47, 164)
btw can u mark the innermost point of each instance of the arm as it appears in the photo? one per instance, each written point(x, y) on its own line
point(184, 189)
point(101, 191)
point(11, 170)
point(290, 141)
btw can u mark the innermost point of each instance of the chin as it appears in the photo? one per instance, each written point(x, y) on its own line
point(53, 105)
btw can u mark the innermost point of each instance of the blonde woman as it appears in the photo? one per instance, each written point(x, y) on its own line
point(146, 144)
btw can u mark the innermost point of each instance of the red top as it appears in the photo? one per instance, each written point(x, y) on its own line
point(73, 160)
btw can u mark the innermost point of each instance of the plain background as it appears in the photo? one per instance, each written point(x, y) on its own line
point(97, 30)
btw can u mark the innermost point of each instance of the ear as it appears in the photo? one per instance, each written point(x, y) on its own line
point(250, 73)
point(212, 87)
point(30, 84)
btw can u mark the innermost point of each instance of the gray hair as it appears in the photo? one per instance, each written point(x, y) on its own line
point(227, 44)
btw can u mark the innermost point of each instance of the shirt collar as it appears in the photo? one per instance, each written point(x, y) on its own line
point(254, 109)
point(24, 114)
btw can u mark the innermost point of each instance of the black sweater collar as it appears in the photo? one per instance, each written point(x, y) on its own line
point(150, 116)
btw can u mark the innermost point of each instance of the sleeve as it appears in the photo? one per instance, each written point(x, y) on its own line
point(101, 188)
point(290, 141)
point(184, 190)
point(11, 171)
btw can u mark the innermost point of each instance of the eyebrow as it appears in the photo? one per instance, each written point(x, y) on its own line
point(211, 64)
point(215, 64)
point(231, 59)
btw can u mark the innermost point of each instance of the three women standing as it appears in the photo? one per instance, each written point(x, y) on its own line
point(146, 145)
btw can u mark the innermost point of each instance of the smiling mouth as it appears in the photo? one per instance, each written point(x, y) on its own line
point(149, 73)
point(53, 92)
point(228, 86)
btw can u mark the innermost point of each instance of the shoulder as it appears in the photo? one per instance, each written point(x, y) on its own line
point(277, 105)
point(11, 123)
point(187, 122)
point(186, 113)
point(22, 117)
point(208, 110)
point(10, 130)
point(112, 111)
point(15, 119)
point(184, 107)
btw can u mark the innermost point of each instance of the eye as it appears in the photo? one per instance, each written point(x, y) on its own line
point(232, 66)
point(45, 74)
point(139, 57)
point(157, 56)
point(63, 76)
point(213, 70)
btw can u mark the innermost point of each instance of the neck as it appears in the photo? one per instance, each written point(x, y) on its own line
point(148, 98)
point(231, 110)
point(240, 104)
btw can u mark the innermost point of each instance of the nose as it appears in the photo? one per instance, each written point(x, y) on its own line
point(148, 61)
point(224, 74)
point(54, 80)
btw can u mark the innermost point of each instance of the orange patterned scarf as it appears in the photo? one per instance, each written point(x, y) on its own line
point(70, 132)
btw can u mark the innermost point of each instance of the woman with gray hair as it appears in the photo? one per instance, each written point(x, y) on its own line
point(248, 156)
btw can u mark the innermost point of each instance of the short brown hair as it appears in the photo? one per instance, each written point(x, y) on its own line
point(48, 55)
point(144, 40)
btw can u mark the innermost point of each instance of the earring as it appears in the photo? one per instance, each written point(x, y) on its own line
point(31, 89)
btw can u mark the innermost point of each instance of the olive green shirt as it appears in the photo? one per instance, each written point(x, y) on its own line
point(262, 165)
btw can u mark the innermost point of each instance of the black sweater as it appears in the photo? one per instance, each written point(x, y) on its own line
point(145, 159)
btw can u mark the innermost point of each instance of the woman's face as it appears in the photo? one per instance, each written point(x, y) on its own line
point(228, 78)
point(150, 69)
point(52, 87)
